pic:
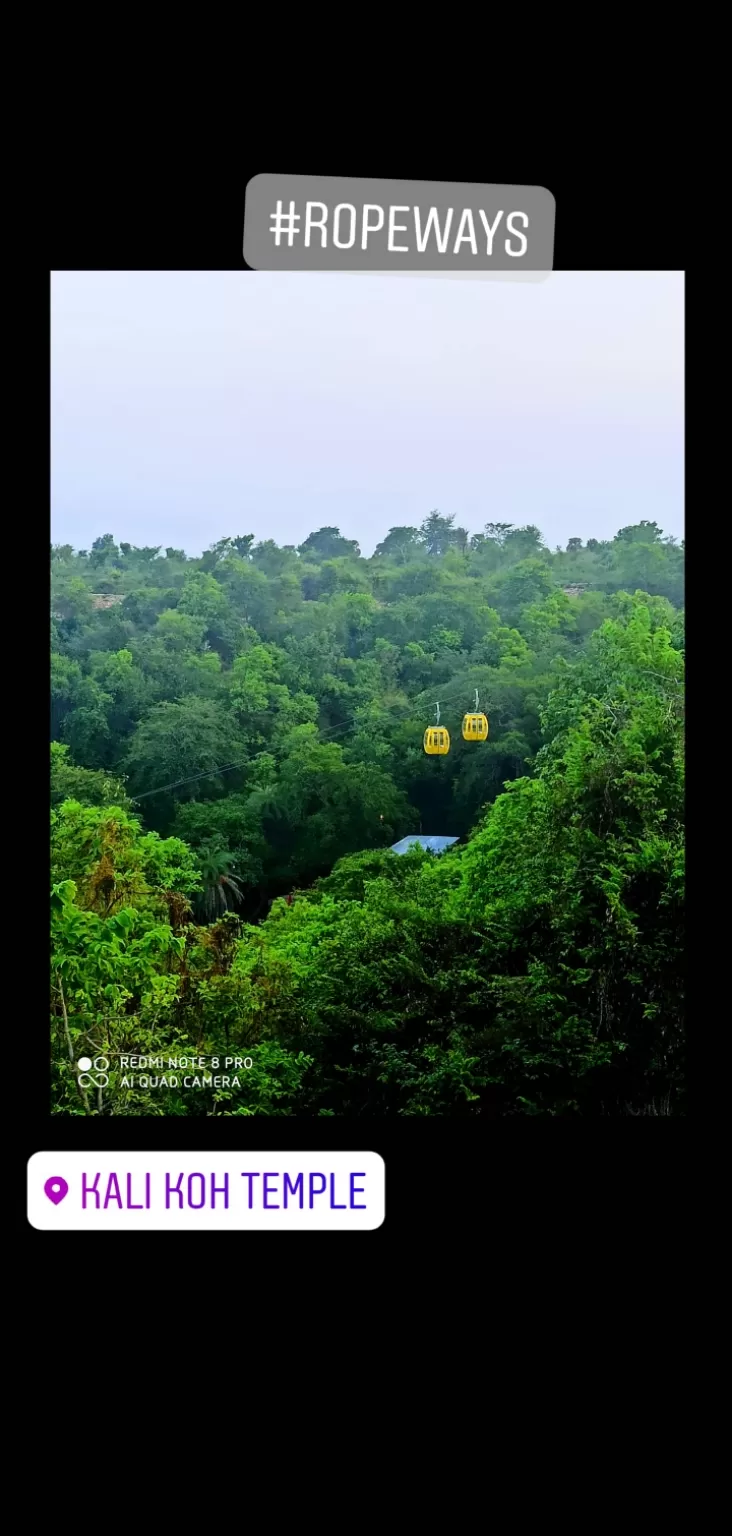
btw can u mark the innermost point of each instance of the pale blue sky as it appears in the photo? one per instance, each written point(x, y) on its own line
point(191, 405)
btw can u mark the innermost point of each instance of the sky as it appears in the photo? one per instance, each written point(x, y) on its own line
point(188, 406)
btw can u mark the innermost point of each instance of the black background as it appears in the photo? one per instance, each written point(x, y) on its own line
point(540, 1183)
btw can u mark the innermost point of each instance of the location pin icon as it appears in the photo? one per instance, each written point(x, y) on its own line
point(56, 1189)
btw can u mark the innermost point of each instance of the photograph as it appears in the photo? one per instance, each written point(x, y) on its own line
point(367, 695)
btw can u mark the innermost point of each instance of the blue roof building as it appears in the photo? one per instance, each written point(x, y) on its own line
point(431, 844)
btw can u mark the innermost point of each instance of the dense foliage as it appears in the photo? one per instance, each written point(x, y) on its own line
point(236, 743)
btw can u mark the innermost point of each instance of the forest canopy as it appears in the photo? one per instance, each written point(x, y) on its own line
point(236, 744)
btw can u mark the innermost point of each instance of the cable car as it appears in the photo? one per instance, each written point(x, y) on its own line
point(475, 724)
point(436, 738)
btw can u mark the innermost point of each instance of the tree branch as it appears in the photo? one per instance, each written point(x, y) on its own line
point(70, 1047)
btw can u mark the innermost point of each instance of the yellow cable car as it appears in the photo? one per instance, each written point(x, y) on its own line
point(436, 738)
point(475, 724)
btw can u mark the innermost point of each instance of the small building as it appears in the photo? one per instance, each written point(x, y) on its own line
point(106, 599)
point(574, 591)
point(430, 844)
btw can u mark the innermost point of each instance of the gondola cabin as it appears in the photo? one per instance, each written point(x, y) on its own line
point(436, 741)
point(475, 727)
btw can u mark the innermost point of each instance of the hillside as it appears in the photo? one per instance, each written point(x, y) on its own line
point(236, 743)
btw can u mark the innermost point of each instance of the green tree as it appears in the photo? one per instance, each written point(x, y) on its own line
point(177, 745)
point(327, 544)
point(220, 888)
point(87, 785)
point(437, 533)
point(399, 545)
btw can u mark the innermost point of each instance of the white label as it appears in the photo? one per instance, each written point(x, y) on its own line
point(205, 1191)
